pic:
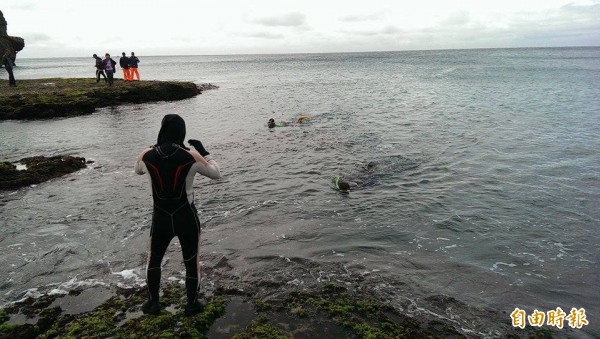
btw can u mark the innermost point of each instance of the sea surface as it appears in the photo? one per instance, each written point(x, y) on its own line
point(486, 184)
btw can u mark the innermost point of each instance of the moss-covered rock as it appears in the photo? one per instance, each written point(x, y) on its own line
point(118, 317)
point(55, 97)
point(39, 169)
point(261, 328)
point(330, 311)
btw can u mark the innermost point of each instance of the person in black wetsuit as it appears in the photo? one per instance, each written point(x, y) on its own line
point(171, 168)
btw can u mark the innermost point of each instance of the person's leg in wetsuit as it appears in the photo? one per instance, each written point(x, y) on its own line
point(184, 224)
point(188, 232)
point(160, 236)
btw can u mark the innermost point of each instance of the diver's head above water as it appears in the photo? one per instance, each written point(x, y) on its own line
point(343, 186)
point(172, 130)
point(271, 123)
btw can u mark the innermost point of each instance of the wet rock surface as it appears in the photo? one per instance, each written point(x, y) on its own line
point(345, 305)
point(38, 169)
point(50, 98)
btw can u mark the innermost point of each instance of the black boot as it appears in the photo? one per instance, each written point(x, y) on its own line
point(151, 307)
point(194, 308)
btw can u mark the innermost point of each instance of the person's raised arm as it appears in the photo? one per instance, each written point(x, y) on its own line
point(205, 164)
point(140, 166)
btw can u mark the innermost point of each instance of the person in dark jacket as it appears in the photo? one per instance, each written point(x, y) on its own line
point(124, 63)
point(109, 67)
point(8, 66)
point(133, 66)
point(99, 68)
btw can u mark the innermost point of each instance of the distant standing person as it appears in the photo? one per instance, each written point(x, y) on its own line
point(8, 65)
point(133, 66)
point(99, 68)
point(109, 67)
point(124, 63)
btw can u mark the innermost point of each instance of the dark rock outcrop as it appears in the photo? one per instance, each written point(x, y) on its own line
point(54, 97)
point(12, 44)
point(39, 169)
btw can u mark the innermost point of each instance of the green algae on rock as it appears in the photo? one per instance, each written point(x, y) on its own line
point(331, 311)
point(56, 97)
point(38, 169)
point(119, 317)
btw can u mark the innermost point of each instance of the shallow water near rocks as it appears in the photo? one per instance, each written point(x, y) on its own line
point(486, 188)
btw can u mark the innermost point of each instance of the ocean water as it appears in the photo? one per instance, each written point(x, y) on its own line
point(486, 184)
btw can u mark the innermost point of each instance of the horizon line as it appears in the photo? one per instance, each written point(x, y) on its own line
point(353, 52)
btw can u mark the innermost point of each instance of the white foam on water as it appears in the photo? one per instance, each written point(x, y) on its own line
point(57, 291)
point(29, 293)
point(496, 265)
point(75, 283)
point(127, 274)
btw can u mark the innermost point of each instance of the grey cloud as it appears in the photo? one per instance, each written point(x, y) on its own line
point(362, 18)
point(286, 20)
point(387, 30)
point(457, 19)
point(36, 37)
point(581, 8)
point(265, 35)
point(25, 6)
point(390, 30)
point(565, 37)
point(569, 25)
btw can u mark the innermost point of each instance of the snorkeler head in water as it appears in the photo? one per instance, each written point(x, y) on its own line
point(343, 186)
point(271, 123)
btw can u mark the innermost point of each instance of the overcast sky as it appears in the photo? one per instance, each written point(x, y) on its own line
point(56, 28)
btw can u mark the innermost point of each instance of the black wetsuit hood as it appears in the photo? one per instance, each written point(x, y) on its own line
point(172, 131)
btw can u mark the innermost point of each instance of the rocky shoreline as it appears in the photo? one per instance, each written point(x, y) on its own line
point(331, 311)
point(257, 305)
point(58, 97)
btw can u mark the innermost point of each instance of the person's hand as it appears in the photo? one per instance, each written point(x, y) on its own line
point(199, 147)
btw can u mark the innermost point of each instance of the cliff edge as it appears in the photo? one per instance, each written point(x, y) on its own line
point(12, 44)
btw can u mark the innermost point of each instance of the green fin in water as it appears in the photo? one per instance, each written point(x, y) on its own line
point(336, 184)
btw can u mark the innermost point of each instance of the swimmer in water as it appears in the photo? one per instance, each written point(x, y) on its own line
point(171, 168)
point(361, 178)
point(272, 124)
point(343, 186)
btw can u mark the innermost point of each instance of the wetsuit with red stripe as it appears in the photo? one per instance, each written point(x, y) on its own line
point(171, 169)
